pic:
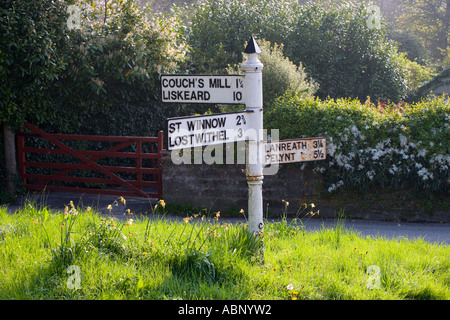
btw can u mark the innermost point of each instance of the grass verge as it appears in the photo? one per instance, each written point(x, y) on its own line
point(81, 254)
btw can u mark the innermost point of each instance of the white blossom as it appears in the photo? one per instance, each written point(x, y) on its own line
point(403, 140)
point(370, 174)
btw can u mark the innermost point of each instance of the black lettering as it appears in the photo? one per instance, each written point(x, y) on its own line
point(190, 125)
point(172, 126)
point(206, 124)
point(201, 83)
point(288, 146)
point(213, 83)
point(170, 142)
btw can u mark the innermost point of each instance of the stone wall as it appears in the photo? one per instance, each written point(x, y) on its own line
point(224, 188)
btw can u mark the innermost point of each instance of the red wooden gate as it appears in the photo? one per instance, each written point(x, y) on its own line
point(87, 161)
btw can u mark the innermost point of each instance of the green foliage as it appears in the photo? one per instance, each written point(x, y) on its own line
point(281, 77)
point(397, 146)
point(344, 54)
point(410, 44)
point(218, 30)
point(30, 57)
point(428, 20)
point(333, 42)
point(114, 62)
point(416, 74)
point(66, 78)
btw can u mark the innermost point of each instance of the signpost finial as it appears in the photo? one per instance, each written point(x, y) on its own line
point(252, 46)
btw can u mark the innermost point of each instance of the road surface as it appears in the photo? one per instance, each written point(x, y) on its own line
point(431, 232)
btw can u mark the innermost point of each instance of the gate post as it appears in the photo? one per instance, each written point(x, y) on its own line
point(159, 162)
point(21, 157)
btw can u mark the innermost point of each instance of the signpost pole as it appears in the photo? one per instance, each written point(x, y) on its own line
point(254, 169)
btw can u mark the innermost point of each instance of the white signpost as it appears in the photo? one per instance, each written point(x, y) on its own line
point(219, 89)
point(189, 132)
point(298, 150)
point(199, 131)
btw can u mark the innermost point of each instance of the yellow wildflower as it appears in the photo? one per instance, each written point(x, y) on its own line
point(289, 266)
point(88, 209)
point(109, 207)
point(186, 220)
point(71, 204)
point(241, 211)
point(163, 204)
point(36, 221)
point(313, 205)
point(123, 200)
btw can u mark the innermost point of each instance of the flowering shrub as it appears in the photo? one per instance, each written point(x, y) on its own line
point(388, 145)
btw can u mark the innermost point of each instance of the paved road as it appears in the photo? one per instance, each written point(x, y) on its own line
point(432, 232)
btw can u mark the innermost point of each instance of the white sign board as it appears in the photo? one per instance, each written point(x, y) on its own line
point(222, 89)
point(191, 132)
point(298, 150)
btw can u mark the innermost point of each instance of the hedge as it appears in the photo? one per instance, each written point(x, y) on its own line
point(373, 145)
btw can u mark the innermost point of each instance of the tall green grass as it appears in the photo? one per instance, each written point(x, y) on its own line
point(201, 257)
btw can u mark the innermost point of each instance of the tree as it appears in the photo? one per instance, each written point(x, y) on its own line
point(218, 29)
point(30, 60)
point(97, 74)
point(430, 21)
point(281, 77)
point(114, 60)
point(337, 44)
point(346, 52)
